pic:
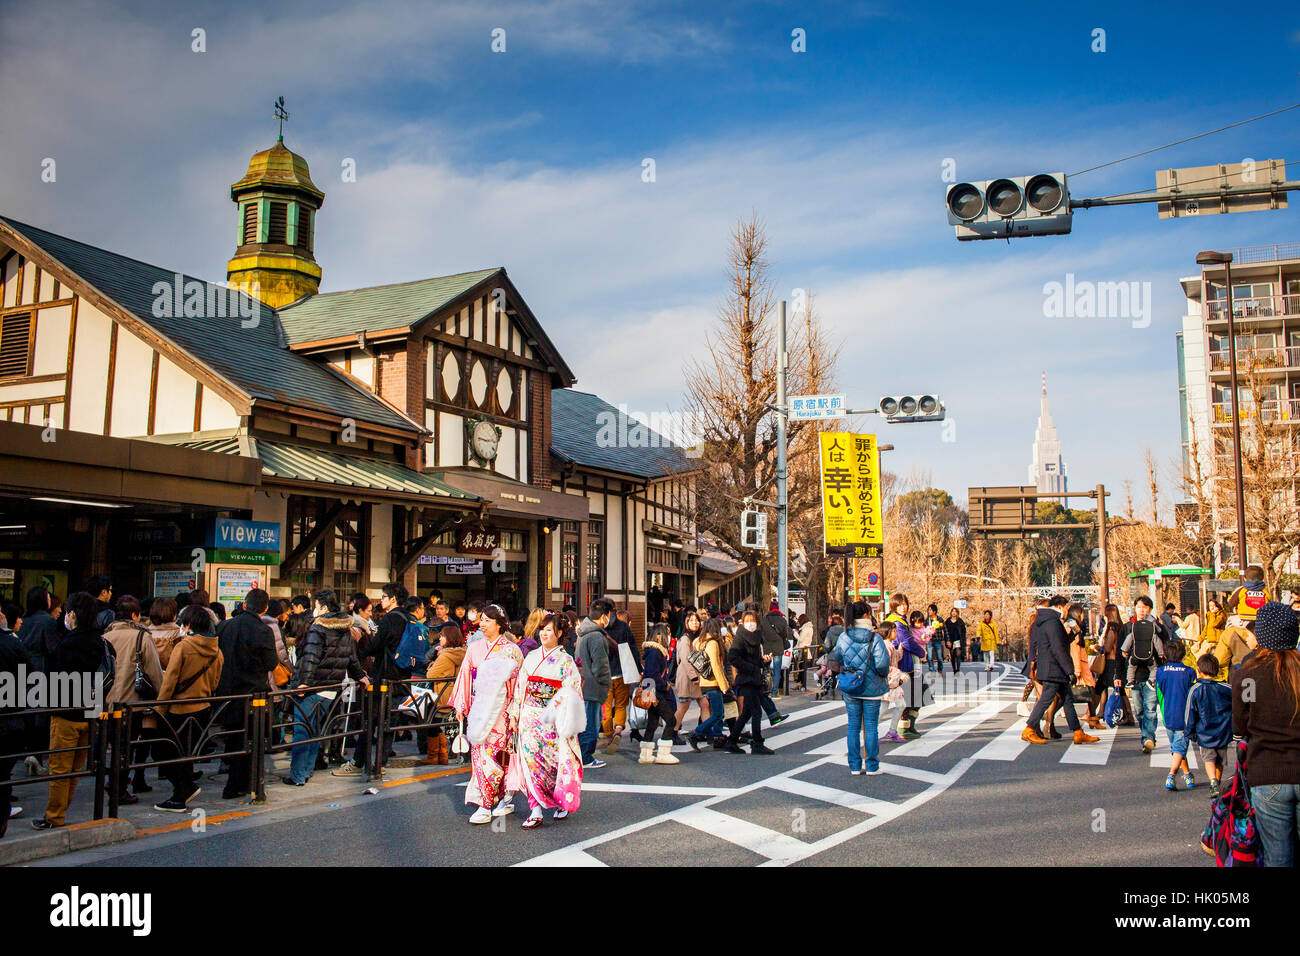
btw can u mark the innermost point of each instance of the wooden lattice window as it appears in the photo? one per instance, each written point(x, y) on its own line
point(278, 223)
point(250, 223)
point(15, 345)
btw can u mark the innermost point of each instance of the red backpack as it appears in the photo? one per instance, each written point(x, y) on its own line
point(1230, 836)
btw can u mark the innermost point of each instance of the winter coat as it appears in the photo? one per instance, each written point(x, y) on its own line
point(382, 645)
point(654, 663)
point(903, 638)
point(248, 650)
point(165, 637)
point(12, 654)
point(859, 649)
point(1266, 718)
point(445, 667)
point(832, 637)
point(805, 638)
point(592, 655)
point(281, 649)
point(1173, 683)
point(776, 633)
point(78, 652)
point(123, 636)
point(954, 632)
point(621, 633)
point(328, 653)
point(39, 634)
point(687, 684)
point(1054, 659)
point(746, 659)
point(192, 655)
point(1208, 718)
point(717, 652)
point(989, 635)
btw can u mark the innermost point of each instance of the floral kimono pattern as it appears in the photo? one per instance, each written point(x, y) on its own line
point(547, 765)
point(487, 766)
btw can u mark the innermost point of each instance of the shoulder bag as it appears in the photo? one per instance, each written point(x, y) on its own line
point(144, 688)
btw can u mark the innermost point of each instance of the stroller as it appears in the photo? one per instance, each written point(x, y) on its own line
point(828, 678)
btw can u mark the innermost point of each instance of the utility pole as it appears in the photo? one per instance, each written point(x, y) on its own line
point(1101, 546)
point(782, 551)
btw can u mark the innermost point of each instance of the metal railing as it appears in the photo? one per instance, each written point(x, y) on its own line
point(1277, 356)
point(1266, 253)
point(135, 736)
point(1279, 410)
point(1253, 307)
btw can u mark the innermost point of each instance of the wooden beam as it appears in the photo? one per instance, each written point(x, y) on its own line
point(403, 562)
point(323, 527)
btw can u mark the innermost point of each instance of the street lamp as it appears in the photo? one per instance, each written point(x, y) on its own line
point(1212, 258)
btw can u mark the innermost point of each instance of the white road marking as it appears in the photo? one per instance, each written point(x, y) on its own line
point(936, 739)
point(594, 787)
point(1006, 746)
point(912, 773)
point(842, 798)
point(1092, 754)
point(840, 747)
point(777, 847)
point(569, 856)
point(811, 730)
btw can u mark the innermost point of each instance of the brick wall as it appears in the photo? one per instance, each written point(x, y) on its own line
point(401, 382)
point(539, 452)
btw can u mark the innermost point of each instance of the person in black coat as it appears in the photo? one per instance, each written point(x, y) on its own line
point(40, 634)
point(12, 728)
point(954, 634)
point(248, 647)
point(381, 646)
point(1055, 671)
point(748, 659)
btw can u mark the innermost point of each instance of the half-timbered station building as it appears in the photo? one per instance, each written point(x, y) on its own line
point(176, 432)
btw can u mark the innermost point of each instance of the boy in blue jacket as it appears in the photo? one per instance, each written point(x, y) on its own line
point(1209, 718)
point(1173, 684)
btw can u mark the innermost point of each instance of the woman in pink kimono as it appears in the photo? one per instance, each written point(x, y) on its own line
point(482, 696)
point(547, 713)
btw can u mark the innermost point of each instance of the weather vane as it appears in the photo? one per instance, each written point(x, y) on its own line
point(281, 114)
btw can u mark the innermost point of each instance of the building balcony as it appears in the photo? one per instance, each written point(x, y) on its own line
point(1278, 358)
point(1283, 410)
point(1252, 255)
point(1253, 307)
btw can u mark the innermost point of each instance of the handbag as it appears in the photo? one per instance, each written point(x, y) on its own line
point(460, 745)
point(645, 696)
point(730, 710)
point(636, 717)
point(1080, 693)
point(144, 688)
point(280, 676)
point(700, 661)
point(1097, 664)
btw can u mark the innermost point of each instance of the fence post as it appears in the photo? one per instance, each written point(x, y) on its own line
point(98, 747)
point(381, 745)
point(258, 731)
point(368, 728)
point(116, 770)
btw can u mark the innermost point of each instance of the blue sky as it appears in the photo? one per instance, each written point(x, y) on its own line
point(532, 159)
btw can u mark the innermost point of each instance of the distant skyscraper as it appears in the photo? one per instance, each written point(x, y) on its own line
point(1047, 470)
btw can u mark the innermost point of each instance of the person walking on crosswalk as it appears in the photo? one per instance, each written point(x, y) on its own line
point(1057, 669)
point(988, 640)
point(864, 671)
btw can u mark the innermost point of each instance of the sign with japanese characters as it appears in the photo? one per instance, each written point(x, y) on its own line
point(850, 475)
point(478, 540)
point(808, 407)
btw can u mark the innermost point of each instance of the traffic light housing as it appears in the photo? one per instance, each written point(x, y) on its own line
point(753, 530)
point(912, 408)
point(1037, 205)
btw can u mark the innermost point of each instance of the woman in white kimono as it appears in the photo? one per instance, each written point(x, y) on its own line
point(546, 715)
point(482, 696)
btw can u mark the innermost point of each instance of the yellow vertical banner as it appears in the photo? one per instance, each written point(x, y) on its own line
point(850, 475)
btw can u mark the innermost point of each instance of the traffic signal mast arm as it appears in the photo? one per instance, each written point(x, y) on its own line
point(1183, 195)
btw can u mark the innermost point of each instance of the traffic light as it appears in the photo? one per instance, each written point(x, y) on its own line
point(1037, 205)
point(753, 530)
point(912, 408)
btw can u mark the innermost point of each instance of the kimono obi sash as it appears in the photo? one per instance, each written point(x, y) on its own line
point(539, 691)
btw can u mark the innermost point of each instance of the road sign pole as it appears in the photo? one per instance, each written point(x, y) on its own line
point(1101, 547)
point(783, 557)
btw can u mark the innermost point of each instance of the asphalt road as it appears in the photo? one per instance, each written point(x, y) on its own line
point(968, 792)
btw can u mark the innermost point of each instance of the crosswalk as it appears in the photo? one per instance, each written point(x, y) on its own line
point(958, 732)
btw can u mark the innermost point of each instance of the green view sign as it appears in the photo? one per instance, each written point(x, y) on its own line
point(237, 556)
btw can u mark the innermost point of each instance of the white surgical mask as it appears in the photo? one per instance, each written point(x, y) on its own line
point(751, 626)
point(472, 615)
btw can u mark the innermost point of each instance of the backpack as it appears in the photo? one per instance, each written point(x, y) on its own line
point(1144, 642)
point(1231, 836)
point(413, 647)
point(852, 681)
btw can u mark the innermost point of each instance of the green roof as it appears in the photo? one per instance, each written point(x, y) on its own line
point(290, 462)
point(581, 423)
point(332, 314)
point(254, 359)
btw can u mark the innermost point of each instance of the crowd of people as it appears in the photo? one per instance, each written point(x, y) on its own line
point(537, 701)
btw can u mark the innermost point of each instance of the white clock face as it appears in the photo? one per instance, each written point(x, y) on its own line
point(484, 439)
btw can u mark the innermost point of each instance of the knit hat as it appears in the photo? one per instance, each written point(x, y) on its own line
point(1276, 627)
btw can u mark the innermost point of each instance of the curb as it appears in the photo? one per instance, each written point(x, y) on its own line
point(77, 836)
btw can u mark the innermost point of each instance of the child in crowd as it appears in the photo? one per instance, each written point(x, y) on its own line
point(1209, 718)
point(1173, 683)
